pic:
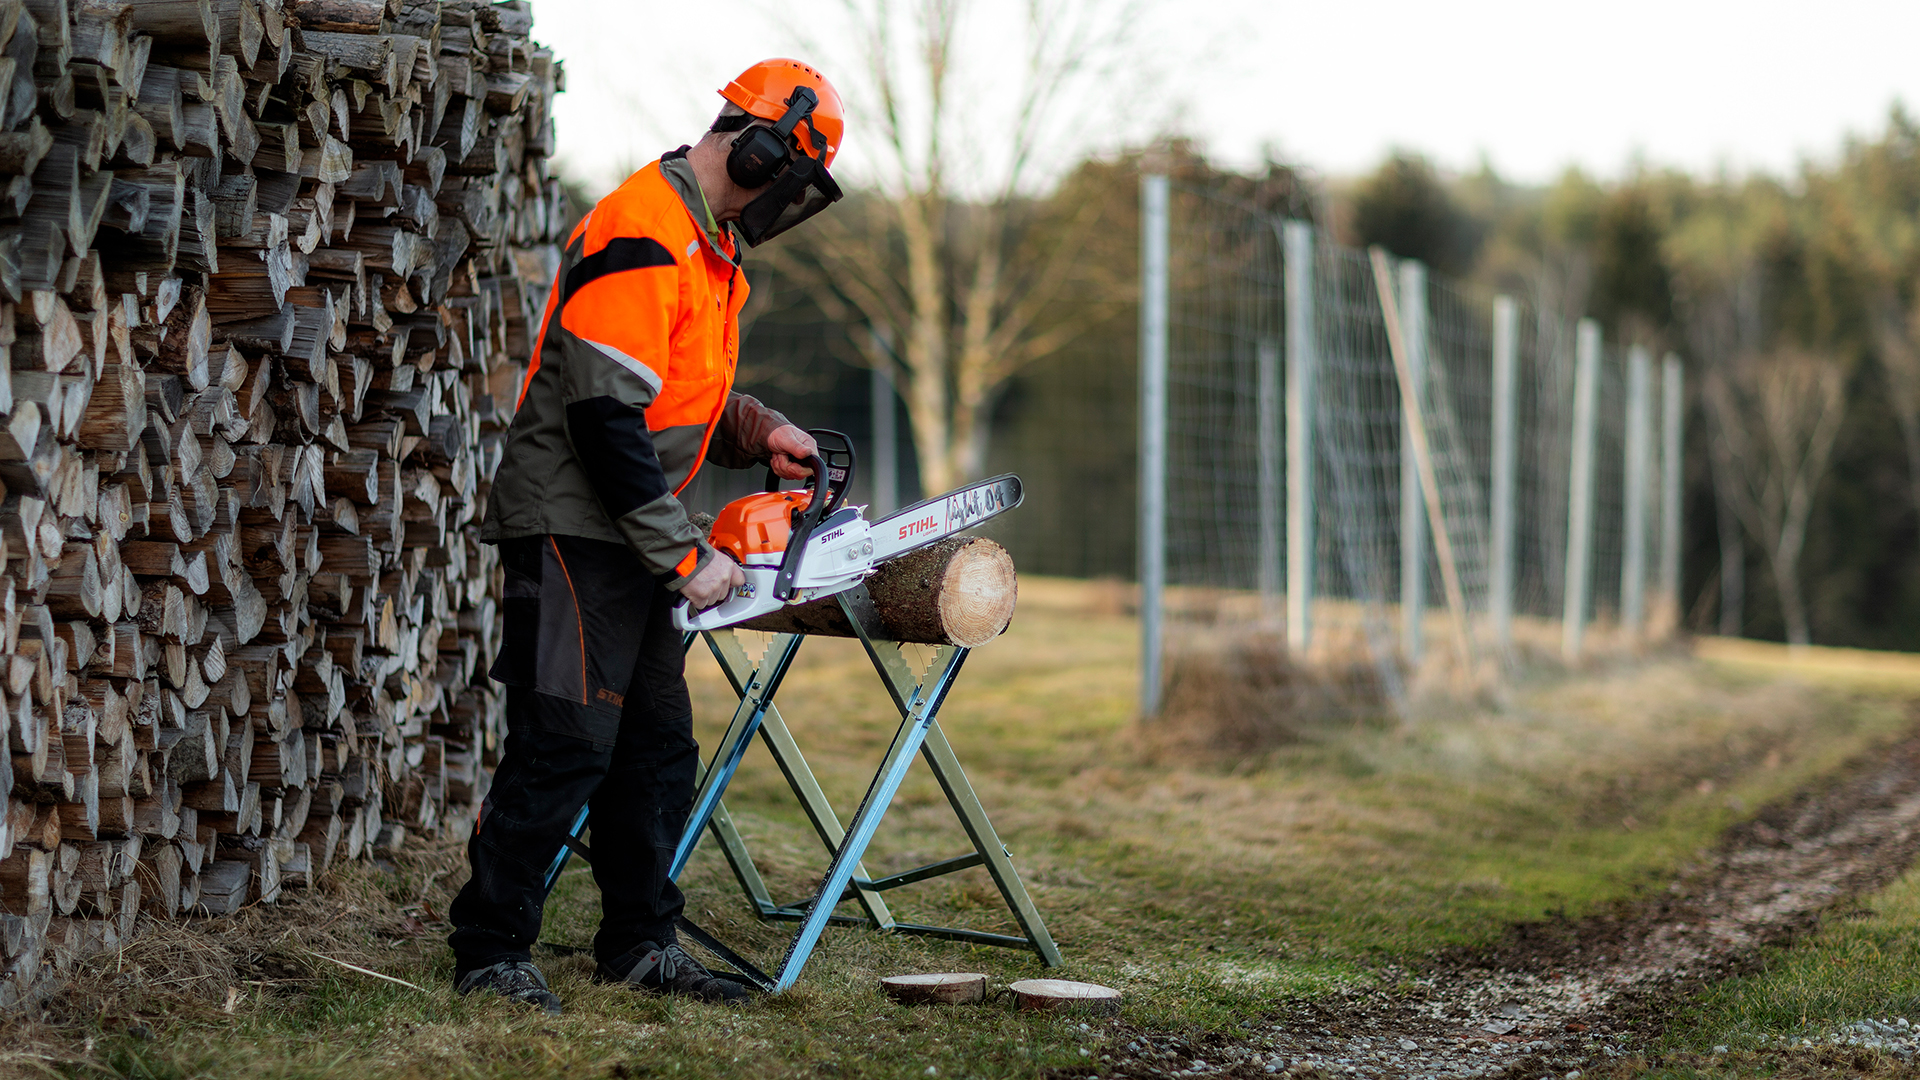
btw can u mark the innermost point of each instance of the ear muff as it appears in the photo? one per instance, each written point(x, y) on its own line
point(760, 153)
point(757, 157)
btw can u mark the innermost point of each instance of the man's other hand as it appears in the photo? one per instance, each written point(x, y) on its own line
point(712, 584)
point(791, 448)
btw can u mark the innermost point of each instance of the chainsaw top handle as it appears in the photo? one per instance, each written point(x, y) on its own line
point(829, 491)
point(835, 477)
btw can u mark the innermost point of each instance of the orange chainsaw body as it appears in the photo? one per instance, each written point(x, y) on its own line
point(757, 526)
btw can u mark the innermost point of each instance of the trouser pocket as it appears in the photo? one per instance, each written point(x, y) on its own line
point(575, 612)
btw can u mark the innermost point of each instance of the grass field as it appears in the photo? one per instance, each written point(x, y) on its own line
point(1208, 888)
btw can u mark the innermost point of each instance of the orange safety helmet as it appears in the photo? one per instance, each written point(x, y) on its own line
point(764, 89)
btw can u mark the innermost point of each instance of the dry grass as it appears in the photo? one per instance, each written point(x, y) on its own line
point(1235, 687)
point(1850, 669)
point(1205, 886)
point(1231, 693)
point(202, 964)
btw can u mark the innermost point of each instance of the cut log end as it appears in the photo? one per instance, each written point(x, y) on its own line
point(938, 988)
point(1050, 995)
point(960, 591)
point(977, 593)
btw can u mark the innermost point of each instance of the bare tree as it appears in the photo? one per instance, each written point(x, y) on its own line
point(1777, 416)
point(944, 270)
point(1720, 303)
point(1900, 361)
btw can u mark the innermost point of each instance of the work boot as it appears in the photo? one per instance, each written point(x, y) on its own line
point(515, 980)
point(668, 969)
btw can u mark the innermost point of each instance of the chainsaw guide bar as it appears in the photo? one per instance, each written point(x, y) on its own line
point(792, 555)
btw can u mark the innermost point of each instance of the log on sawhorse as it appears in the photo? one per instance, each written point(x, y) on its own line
point(918, 699)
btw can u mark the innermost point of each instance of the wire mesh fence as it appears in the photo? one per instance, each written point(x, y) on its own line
point(1244, 394)
point(1225, 330)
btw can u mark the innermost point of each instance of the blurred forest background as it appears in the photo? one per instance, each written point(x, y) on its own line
point(1791, 300)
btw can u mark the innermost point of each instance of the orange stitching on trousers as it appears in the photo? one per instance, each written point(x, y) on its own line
point(579, 623)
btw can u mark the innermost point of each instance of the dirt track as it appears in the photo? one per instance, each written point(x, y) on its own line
point(1561, 996)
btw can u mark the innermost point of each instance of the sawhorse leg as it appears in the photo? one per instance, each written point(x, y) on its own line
point(902, 684)
point(756, 687)
point(744, 678)
point(919, 702)
point(986, 840)
point(755, 712)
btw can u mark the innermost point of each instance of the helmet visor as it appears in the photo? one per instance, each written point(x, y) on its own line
point(801, 190)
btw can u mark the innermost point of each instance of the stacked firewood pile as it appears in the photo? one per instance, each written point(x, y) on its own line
point(268, 273)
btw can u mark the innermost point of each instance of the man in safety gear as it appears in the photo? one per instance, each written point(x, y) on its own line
point(630, 389)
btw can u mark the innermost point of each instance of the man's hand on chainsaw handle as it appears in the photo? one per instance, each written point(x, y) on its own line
point(714, 581)
point(791, 448)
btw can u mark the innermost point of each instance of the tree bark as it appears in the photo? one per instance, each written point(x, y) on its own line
point(960, 591)
point(1733, 564)
point(1798, 402)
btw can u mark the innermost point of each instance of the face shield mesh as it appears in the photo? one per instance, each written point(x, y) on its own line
point(801, 191)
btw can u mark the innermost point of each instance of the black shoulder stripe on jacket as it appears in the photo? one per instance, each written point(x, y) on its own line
point(613, 444)
point(621, 253)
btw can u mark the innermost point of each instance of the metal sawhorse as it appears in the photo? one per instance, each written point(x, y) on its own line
point(918, 699)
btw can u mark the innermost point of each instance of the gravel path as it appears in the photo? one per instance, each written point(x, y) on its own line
point(1558, 998)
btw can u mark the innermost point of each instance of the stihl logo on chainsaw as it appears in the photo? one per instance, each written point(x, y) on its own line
point(963, 508)
point(915, 528)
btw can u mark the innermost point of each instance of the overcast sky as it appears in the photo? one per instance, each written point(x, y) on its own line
point(1533, 87)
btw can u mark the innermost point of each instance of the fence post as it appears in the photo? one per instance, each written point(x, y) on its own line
point(1506, 357)
point(1267, 422)
point(1672, 409)
point(1154, 197)
point(1302, 368)
point(886, 433)
point(1413, 519)
point(1633, 557)
point(1586, 391)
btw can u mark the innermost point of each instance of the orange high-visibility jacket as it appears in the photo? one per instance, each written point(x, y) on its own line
point(631, 385)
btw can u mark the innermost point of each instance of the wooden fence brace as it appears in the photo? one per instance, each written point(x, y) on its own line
point(1416, 429)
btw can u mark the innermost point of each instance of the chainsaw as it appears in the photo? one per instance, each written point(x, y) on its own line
point(798, 545)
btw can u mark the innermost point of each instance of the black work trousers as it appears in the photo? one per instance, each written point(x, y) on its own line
point(597, 716)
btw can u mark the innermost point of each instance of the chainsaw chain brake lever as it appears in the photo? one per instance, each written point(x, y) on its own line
point(832, 469)
point(837, 451)
point(823, 500)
